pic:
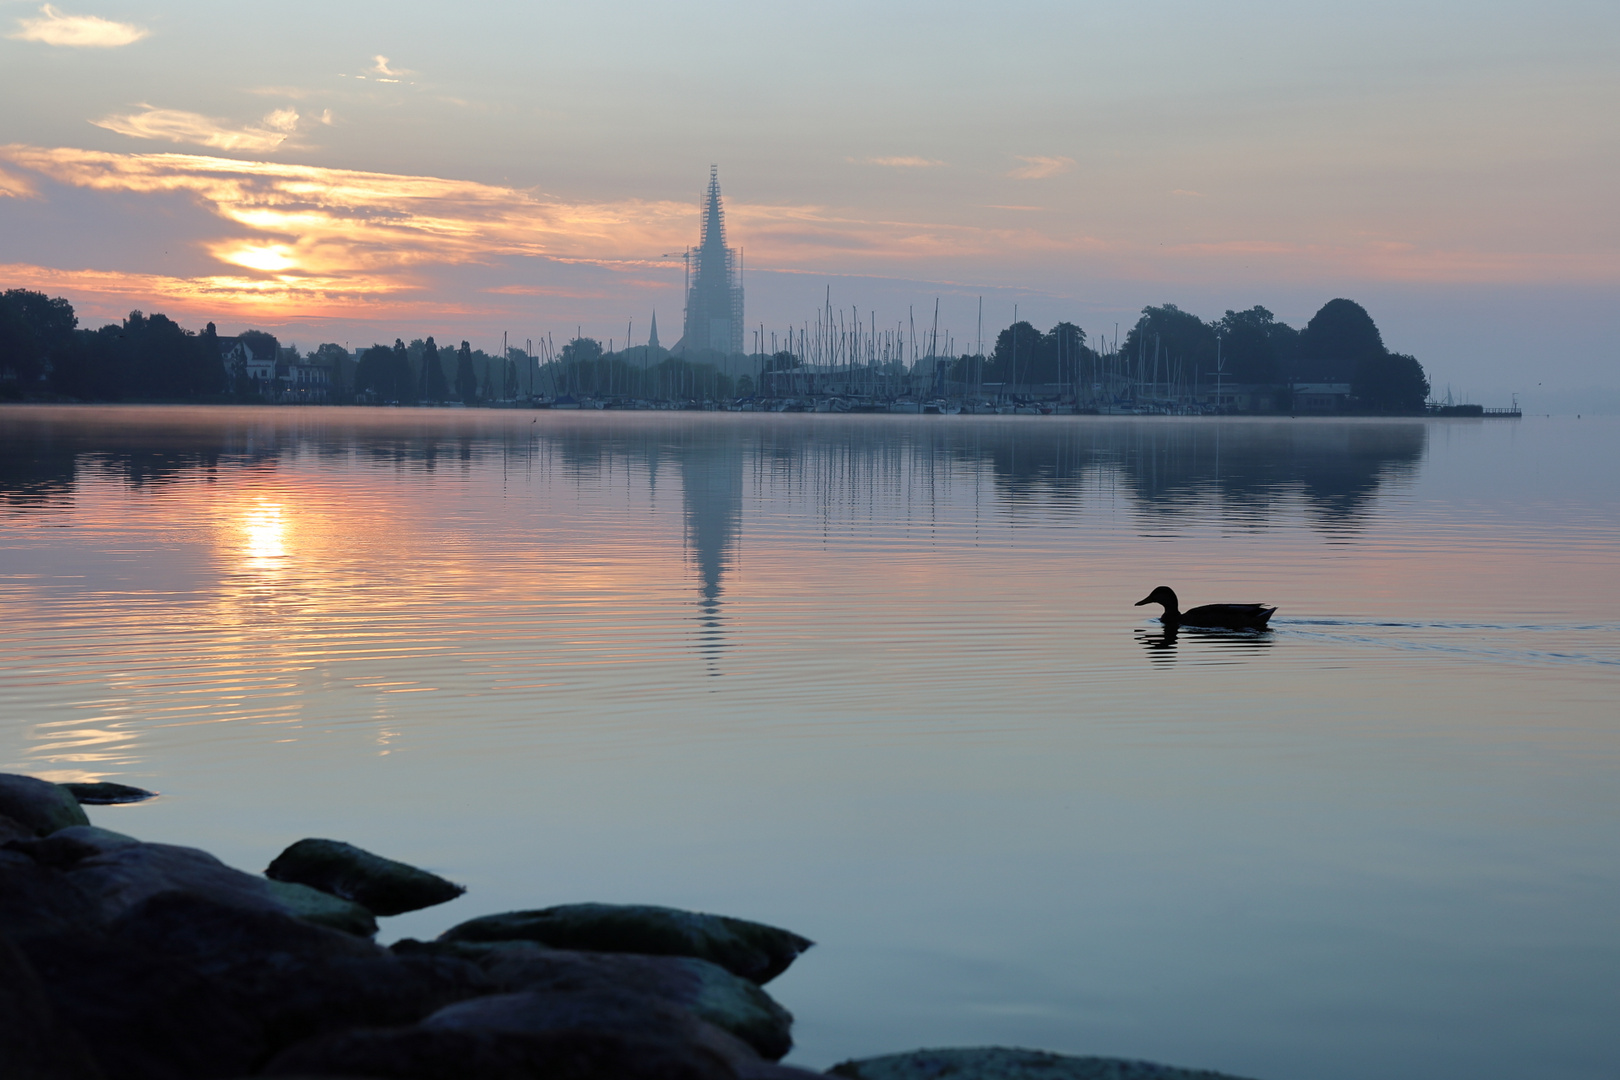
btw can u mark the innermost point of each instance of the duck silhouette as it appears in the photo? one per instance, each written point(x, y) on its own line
point(1224, 616)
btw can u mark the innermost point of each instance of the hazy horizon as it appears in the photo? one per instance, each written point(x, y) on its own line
point(362, 173)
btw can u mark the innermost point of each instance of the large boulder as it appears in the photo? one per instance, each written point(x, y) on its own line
point(1006, 1063)
point(450, 1054)
point(607, 1010)
point(752, 950)
point(38, 805)
point(324, 909)
point(107, 793)
point(120, 871)
point(66, 847)
point(34, 1043)
point(294, 980)
point(710, 992)
point(124, 876)
point(141, 1014)
point(11, 829)
point(382, 885)
point(36, 900)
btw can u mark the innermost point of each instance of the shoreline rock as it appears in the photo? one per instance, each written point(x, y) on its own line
point(39, 805)
point(755, 951)
point(107, 793)
point(384, 886)
point(1009, 1063)
point(143, 961)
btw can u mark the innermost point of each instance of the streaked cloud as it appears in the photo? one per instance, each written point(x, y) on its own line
point(380, 71)
point(315, 243)
point(905, 162)
point(225, 295)
point(305, 219)
point(175, 125)
point(15, 187)
point(53, 27)
point(1041, 168)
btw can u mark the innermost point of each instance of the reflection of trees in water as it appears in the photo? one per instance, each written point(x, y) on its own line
point(1174, 469)
point(852, 471)
point(37, 475)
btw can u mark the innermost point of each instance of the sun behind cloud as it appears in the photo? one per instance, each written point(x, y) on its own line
point(53, 27)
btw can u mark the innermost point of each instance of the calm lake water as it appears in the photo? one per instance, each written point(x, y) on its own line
point(880, 680)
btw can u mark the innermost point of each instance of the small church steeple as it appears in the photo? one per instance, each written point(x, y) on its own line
point(652, 339)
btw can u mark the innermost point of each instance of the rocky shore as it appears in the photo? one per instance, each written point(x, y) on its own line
point(127, 960)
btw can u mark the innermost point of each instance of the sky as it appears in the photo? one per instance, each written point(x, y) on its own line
point(363, 171)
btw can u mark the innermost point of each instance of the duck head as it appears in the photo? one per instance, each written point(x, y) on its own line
point(1165, 595)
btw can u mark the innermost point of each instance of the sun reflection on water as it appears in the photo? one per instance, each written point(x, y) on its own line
point(264, 529)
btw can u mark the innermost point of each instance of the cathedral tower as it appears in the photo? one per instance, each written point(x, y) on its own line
point(714, 295)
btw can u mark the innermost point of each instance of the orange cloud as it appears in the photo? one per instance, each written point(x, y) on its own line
point(1041, 168)
point(173, 125)
point(305, 221)
point(115, 292)
point(305, 241)
point(16, 187)
point(52, 27)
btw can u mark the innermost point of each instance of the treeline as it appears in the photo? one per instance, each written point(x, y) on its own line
point(153, 358)
point(149, 357)
point(1340, 344)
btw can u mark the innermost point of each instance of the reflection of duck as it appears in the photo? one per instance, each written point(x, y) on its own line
point(1225, 616)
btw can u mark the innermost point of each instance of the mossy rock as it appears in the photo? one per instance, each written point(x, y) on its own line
point(1007, 1063)
point(381, 885)
point(39, 805)
point(324, 909)
point(753, 950)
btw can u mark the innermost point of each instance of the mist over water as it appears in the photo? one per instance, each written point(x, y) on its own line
point(880, 680)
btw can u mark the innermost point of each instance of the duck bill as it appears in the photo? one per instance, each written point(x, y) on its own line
point(1144, 600)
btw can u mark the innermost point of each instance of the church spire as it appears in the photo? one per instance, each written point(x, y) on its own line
point(652, 339)
point(714, 295)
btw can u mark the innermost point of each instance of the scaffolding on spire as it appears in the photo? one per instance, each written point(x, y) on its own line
point(714, 293)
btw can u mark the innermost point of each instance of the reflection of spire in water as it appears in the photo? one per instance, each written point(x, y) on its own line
point(711, 494)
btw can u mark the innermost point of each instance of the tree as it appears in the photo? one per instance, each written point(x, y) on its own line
point(372, 373)
point(1066, 346)
point(264, 345)
point(150, 357)
point(1337, 341)
point(780, 361)
point(582, 350)
point(1019, 356)
point(466, 378)
point(34, 330)
point(1391, 382)
point(1250, 346)
point(433, 385)
point(520, 371)
point(509, 381)
point(402, 382)
point(1165, 337)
